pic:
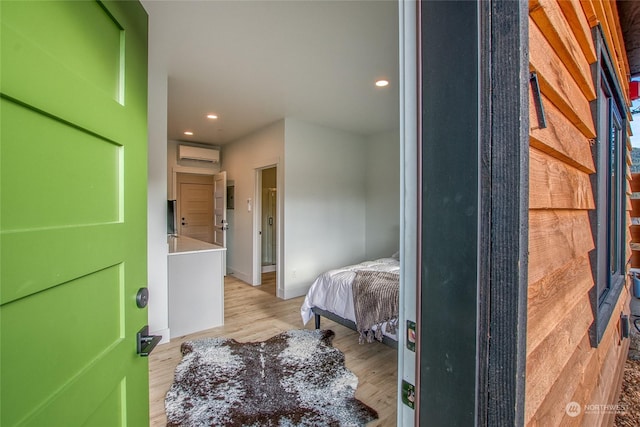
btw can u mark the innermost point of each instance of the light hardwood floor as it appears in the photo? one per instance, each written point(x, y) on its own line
point(254, 315)
point(268, 283)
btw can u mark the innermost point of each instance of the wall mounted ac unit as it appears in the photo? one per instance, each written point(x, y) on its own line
point(188, 152)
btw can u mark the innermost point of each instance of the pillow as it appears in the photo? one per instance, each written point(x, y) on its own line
point(396, 255)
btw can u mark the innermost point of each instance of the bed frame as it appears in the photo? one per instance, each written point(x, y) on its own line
point(317, 312)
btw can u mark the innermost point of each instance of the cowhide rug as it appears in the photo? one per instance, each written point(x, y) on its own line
point(296, 378)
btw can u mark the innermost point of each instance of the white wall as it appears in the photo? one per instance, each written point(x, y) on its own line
point(383, 195)
point(157, 249)
point(324, 202)
point(240, 160)
point(338, 199)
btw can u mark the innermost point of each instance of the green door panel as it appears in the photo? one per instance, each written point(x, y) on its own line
point(89, 172)
point(80, 190)
point(45, 81)
point(73, 167)
point(83, 36)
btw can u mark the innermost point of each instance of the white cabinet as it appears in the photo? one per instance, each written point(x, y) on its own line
point(196, 286)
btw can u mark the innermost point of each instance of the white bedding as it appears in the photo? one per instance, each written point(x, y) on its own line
point(332, 291)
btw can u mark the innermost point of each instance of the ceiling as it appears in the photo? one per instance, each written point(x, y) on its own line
point(255, 62)
point(629, 12)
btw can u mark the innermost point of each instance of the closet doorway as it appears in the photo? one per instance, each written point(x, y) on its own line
point(268, 228)
point(268, 215)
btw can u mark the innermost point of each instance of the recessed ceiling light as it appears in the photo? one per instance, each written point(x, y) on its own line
point(212, 116)
point(188, 132)
point(382, 83)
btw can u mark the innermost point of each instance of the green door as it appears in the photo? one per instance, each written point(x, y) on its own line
point(73, 197)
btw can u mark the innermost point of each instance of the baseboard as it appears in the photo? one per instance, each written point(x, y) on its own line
point(295, 292)
point(268, 268)
point(166, 335)
point(239, 275)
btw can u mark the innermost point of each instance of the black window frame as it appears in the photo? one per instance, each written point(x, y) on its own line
point(608, 220)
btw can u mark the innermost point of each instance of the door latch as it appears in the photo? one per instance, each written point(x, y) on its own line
point(145, 342)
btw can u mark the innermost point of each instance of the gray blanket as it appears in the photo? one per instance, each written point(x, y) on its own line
point(376, 301)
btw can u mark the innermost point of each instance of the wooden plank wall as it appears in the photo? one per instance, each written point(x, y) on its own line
point(562, 365)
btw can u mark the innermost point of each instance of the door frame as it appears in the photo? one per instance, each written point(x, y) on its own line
point(472, 273)
point(256, 269)
point(185, 170)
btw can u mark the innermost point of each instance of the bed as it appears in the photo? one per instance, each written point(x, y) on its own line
point(332, 296)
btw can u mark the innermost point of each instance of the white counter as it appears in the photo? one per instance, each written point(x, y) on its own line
point(196, 285)
point(182, 244)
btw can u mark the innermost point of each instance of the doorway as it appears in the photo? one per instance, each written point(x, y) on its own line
point(267, 211)
point(195, 206)
point(268, 215)
point(245, 195)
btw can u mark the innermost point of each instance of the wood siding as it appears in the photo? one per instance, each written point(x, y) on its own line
point(563, 366)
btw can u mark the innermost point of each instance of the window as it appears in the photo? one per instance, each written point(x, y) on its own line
point(609, 184)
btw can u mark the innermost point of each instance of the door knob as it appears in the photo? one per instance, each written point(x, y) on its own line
point(142, 297)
